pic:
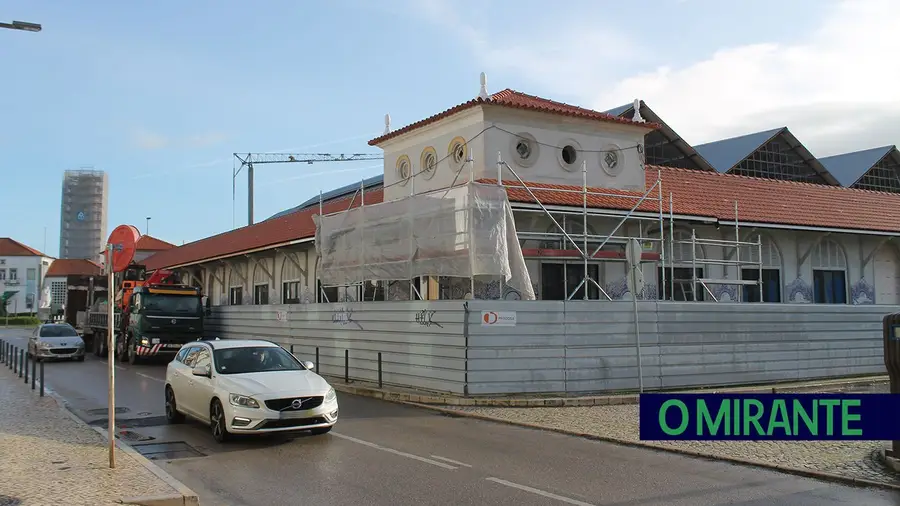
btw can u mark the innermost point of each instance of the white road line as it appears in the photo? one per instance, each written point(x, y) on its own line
point(395, 452)
point(539, 492)
point(445, 459)
point(149, 377)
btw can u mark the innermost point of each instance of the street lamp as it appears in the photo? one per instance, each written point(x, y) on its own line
point(22, 25)
point(147, 228)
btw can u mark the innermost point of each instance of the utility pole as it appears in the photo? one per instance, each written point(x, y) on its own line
point(147, 227)
point(22, 25)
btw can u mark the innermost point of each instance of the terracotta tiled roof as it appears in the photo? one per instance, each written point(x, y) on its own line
point(13, 248)
point(709, 194)
point(73, 267)
point(517, 100)
point(694, 193)
point(298, 225)
point(150, 243)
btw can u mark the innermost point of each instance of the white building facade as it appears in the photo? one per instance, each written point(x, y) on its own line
point(22, 270)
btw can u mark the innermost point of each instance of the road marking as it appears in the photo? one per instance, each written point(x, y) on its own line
point(119, 367)
point(150, 377)
point(395, 452)
point(445, 459)
point(539, 492)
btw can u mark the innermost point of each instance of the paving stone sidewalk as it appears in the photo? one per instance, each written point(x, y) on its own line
point(856, 459)
point(50, 459)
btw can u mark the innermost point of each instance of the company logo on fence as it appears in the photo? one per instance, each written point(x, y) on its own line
point(498, 318)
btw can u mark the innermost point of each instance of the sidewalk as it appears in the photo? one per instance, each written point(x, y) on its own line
point(50, 459)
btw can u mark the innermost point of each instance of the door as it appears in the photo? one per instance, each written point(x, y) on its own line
point(887, 277)
point(200, 387)
point(184, 380)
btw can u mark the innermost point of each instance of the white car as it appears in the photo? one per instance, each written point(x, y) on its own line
point(247, 387)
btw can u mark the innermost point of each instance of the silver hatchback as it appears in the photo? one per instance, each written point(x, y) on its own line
point(56, 341)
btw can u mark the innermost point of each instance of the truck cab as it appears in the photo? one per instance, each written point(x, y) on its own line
point(161, 319)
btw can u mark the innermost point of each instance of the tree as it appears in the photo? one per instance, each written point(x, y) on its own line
point(4, 300)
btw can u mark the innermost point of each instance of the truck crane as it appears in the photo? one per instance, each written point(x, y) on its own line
point(154, 315)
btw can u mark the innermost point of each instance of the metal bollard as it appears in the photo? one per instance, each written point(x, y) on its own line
point(346, 366)
point(33, 371)
point(15, 360)
point(42, 379)
point(21, 361)
point(25, 363)
point(317, 358)
point(380, 383)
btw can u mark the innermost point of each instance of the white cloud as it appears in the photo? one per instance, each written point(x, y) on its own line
point(835, 87)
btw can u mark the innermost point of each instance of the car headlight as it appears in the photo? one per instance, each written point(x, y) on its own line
point(43, 344)
point(331, 395)
point(243, 401)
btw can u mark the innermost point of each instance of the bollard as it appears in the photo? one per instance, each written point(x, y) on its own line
point(380, 383)
point(317, 358)
point(25, 363)
point(33, 371)
point(21, 361)
point(42, 379)
point(346, 366)
point(9, 360)
point(15, 360)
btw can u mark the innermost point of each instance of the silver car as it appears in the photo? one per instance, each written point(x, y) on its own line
point(56, 341)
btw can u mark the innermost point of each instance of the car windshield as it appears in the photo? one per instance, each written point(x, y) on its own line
point(58, 331)
point(170, 304)
point(254, 359)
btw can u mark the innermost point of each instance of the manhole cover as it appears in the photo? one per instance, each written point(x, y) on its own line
point(130, 435)
point(167, 451)
point(105, 411)
point(131, 423)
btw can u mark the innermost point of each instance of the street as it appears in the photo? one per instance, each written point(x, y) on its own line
point(382, 453)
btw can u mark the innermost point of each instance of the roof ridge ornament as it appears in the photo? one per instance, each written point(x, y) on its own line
point(483, 94)
point(637, 112)
point(387, 124)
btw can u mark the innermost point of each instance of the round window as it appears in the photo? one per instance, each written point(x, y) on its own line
point(403, 169)
point(569, 154)
point(429, 163)
point(457, 152)
point(524, 149)
point(612, 160)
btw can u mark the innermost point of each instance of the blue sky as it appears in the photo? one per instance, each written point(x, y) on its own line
point(161, 94)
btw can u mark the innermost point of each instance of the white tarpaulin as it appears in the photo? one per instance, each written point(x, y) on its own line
point(458, 232)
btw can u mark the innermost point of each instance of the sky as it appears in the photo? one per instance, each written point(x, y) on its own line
point(161, 94)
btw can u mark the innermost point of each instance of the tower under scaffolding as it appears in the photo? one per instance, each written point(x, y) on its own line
point(467, 232)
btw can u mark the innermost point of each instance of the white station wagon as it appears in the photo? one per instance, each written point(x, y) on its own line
point(247, 387)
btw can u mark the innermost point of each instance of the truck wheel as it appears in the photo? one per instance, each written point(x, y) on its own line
point(95, 343)
point(122, 348)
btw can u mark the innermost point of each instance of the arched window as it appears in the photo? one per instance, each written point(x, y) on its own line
point(829, 264)
point(260, 284)
point(235, 287)
point(679, 283)
point(292, 281)
point(771, 270)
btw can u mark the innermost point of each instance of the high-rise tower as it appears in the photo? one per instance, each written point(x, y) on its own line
point(82, 224)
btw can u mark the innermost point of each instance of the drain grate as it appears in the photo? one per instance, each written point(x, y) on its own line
point(131, 423)
point(167, 451)
point(105, 411)
point(130, 435)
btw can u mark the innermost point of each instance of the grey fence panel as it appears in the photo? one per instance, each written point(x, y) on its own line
point(589, 346)
point(422, 343)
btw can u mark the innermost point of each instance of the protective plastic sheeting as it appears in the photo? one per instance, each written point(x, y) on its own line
point(465, 231)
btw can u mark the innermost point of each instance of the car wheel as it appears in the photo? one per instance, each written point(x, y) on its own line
point(172, 414)
point(318, 431)
point(217, 423)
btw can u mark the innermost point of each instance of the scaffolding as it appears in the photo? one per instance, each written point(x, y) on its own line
point(585, 248)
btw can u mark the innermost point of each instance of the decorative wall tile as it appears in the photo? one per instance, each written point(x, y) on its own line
point(723, 292)
point(798, 290)
point(617, 289)
point(862, 292)
point(398, 290)
point(487, 289)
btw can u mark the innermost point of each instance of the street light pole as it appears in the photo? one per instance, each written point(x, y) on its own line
point(22, 25)
point(147, 228)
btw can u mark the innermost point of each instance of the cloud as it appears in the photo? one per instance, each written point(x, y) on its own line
point(834, 86)
point(145, 139)
point(149, 140)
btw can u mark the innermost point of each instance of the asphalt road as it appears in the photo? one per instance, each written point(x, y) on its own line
point(382, 453)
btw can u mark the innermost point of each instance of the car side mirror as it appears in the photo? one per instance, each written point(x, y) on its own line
point(201, 370)
point(309, 365)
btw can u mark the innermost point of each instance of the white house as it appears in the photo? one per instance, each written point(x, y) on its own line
point(22, 270)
